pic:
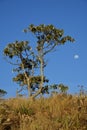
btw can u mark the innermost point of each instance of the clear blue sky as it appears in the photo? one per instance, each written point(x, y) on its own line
point(63, 66)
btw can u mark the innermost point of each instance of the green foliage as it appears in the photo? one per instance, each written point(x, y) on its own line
point(48, 37)
point(2, 92)
point(24, 58)
point(34, 81)
point(48, 33)
point(29, 59)
point(16, 48)
point(63, 88)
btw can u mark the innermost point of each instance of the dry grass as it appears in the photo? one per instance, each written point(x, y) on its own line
point(59, 112)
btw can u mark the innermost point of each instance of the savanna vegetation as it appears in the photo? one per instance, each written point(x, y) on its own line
point(30, 58)
point(59, 111)
point(2, 92)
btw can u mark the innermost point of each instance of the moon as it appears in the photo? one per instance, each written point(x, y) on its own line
point(76, 56)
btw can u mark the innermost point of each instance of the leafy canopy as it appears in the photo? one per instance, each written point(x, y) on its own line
point(28, 60)
point(2, 92)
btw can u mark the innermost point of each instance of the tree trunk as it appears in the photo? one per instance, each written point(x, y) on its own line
point(36, 94)
point(41, 65)
point(29, 87)
point(42, 73)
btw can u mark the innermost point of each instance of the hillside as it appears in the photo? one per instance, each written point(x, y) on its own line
point(59, 112)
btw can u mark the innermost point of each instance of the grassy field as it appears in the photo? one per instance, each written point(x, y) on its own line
point(59, 112)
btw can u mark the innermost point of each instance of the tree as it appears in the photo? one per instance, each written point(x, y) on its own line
point(2, 92)
point(22, 56)
point(63, 89)
point(48, 38)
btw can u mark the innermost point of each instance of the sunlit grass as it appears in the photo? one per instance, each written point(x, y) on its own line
point(59, 112)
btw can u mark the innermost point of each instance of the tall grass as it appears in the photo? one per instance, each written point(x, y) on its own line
point(59, 112)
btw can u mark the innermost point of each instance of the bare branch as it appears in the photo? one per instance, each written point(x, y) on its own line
point(49, 49)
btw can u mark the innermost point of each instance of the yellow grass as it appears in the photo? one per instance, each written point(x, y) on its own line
point(59, 112)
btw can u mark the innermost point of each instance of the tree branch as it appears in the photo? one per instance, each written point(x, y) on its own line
point(36, 94)
point(49, 49)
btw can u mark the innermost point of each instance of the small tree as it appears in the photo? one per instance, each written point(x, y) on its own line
point(48, 38)
point(22, 56)
point(63, 89)
point(2, 92)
